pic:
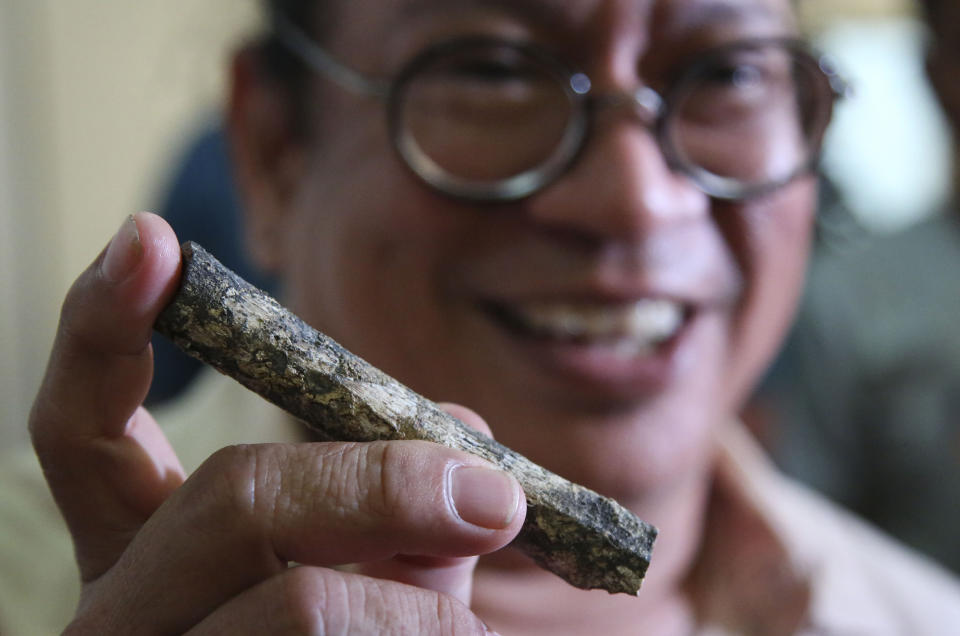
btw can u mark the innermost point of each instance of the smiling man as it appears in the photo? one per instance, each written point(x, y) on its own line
point(586, 221)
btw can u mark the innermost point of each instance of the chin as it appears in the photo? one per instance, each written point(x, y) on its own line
point(631, 457)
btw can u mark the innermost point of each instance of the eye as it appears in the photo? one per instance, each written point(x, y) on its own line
point(736, 76)
point(745, 70)
point(489, 80)
point(490, 70)
point(739, 84)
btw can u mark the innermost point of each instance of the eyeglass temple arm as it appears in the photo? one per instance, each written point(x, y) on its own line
point(300, 44)
point(840, 85)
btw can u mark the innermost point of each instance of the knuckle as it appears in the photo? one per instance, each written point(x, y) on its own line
point(450, 615)
point(239, 481)
point(387, 463)
point(390, 480)
point(304, 596)
point(45, 442)
point(319, 601)
point(355, 479)
point(73, 301)
point(444, 615)
point(75, 318)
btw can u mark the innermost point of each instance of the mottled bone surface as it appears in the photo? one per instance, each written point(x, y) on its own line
point(217, 317)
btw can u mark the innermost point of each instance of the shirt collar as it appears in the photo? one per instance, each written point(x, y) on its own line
point(770, 562)
point(745, 580)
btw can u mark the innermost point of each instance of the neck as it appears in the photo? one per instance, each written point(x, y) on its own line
point(514, 596)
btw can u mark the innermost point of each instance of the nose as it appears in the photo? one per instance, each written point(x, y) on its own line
point(620, 188)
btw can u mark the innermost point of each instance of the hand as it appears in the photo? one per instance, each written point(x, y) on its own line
point(159, 553)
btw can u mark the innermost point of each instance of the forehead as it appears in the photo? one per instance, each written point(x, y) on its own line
point(399, 14)
point(578, 10)
point(379, 36)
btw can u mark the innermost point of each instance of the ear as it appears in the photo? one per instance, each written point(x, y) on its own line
point(268, 155)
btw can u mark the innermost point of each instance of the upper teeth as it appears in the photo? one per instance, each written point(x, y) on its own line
point(644, 322)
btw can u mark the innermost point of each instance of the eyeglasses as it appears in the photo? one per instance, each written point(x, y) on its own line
point(487, 119)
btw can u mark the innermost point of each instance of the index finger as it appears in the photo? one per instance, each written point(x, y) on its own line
point(106, 462)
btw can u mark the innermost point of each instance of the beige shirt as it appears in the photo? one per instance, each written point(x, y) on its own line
point(776, 556)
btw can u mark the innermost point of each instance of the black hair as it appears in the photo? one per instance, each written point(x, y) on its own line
point(297, 11)
point(283, 67)
point(278, 61)
point(932, 10)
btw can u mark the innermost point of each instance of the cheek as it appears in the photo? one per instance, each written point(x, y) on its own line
point(373, 250)
point(771, 238)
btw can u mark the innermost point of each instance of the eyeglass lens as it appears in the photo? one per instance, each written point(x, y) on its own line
point(486, 113)
point(751, 115)
point(743, 118)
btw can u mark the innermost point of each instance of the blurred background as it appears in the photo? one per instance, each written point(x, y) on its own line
point(107, 108)
point(98, 99)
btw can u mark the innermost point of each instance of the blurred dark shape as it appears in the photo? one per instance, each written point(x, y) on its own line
point(864, 402)
point(836, 229)
point(202, 205)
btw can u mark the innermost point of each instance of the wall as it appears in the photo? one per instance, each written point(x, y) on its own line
point(95, 98)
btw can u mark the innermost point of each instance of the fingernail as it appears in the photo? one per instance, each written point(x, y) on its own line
point(484, 497)
point(123, 253)
point(488, 631)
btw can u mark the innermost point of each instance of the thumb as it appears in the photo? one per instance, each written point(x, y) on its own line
point(106, 461)
point(452, 576)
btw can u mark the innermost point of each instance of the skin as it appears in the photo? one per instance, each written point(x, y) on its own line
point(403, 277)
point(620, 226)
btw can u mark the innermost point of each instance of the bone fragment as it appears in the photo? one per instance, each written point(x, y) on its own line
point(217, 317)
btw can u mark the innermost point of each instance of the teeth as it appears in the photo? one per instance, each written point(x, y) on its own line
point(626, 349)
point(632, 328)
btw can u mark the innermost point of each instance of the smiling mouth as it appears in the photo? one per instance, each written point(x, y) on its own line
point(627, 330)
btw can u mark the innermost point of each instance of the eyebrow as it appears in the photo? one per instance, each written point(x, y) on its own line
point(699, 15)
point(712, 12)
point(555, 15)
point(540, 11)
point(417, 6)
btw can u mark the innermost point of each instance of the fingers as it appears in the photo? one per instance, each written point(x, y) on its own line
point(250, 510)
point(309, 600)
point(467, 416)
point(106, 461)
point(160, 556)
point(452, 576)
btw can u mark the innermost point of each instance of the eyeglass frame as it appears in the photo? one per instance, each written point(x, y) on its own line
point(577, 86)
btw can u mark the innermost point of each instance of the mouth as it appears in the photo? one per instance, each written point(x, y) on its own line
point(611, 351)
point(602, 350)
point(625, 330)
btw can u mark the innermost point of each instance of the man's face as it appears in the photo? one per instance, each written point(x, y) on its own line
point(547, 315)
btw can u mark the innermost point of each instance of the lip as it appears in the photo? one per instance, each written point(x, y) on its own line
point(595, 369)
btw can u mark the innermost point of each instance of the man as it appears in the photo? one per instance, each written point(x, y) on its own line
point(588, 222)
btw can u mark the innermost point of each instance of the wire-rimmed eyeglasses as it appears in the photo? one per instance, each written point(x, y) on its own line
point(488, 119)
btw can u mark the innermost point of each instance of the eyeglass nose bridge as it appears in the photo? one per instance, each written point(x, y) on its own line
point(646, 103)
